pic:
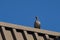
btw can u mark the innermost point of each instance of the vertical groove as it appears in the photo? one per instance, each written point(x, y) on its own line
point(57, 38)
point(32, 33)
point(34, 36)
point(23, 34)
point(43, 35)
point(2, 33)
point(46, 37)
point(12, 33)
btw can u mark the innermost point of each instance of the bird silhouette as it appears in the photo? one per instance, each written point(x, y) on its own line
point(37, 23)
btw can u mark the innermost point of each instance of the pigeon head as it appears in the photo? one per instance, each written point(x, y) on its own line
point(36, 18)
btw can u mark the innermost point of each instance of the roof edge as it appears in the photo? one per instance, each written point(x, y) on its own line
point(15, 26)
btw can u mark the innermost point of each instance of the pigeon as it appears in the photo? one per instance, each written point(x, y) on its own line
point(37, 23)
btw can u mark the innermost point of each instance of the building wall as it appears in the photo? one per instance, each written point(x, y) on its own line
point(17, 32)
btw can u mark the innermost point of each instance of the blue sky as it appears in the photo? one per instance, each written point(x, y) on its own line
point(23, 12)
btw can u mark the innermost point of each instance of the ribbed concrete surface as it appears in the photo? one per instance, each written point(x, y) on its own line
point(17, 32)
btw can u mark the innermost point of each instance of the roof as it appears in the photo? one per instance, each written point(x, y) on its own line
point(15, 26)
